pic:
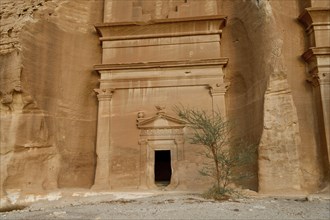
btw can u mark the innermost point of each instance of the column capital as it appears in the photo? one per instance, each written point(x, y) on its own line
point(318, 65)
point(314, 80)
point(317, 79)
point(219, 88)
point(179, 140)
point(104, 93)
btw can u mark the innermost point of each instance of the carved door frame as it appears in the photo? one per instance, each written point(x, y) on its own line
point(152, 138)
point(148, 149)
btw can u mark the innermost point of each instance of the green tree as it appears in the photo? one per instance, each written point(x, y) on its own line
point(225, 155)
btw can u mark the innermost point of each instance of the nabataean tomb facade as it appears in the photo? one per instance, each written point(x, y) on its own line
point(88, 90)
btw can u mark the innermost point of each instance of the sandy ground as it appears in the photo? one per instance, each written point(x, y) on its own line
point(173, 206)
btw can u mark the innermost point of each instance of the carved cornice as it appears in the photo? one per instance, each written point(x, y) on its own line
point(104, 94)
point(145, 36)
point(315, 16)
point(315, 51)
point(164, 64)
point(200, 75)
point(163, 21)
point(161, 28)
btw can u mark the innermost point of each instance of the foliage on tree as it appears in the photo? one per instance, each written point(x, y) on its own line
point(225, 154)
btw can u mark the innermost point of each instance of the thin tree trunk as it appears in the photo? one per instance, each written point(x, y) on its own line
point(216, 167)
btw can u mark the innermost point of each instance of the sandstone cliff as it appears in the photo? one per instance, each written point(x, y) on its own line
point(49, 110)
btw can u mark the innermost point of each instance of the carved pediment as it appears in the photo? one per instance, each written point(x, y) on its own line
point(160, 121)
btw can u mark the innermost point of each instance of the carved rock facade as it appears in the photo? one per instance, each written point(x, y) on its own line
point(79, 90)
point(188, 69)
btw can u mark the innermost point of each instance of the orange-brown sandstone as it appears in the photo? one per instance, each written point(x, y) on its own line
point(243, 57)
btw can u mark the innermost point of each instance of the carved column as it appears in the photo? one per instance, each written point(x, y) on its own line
point(318, 60)
point(180, 144)
point(143, 163)
point(103, 142)
point(218, 92)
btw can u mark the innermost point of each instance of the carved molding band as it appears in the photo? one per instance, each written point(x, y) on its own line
point(161, 132)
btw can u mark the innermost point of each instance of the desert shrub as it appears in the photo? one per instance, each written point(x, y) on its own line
point(224, 154)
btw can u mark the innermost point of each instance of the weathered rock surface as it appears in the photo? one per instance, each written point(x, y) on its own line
point(49, 109)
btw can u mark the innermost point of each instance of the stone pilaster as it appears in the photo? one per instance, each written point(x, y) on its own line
point(218, 92)
point(180, 147)
point(143, 163)
point(318, 60)
point(103, 142)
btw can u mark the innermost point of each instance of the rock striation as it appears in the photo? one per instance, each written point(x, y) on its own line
point(48, 107)
point(57, 133)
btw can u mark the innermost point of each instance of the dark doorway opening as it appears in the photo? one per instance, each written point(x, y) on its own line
point(163, 169)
